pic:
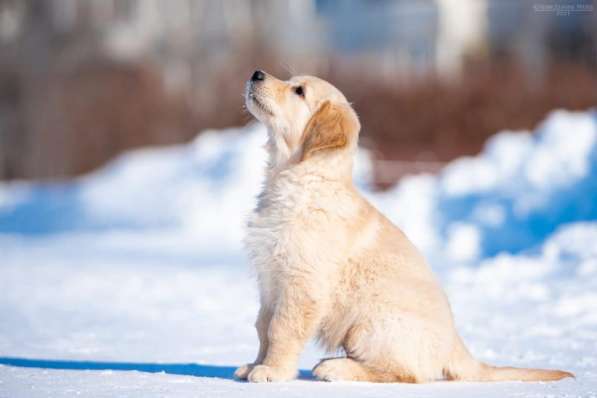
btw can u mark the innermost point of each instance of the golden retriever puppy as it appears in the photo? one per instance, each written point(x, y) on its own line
point(331, 267)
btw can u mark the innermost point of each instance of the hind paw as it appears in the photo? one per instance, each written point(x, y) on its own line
point(337, 369)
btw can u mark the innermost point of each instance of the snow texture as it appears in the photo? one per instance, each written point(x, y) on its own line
point(131, 281)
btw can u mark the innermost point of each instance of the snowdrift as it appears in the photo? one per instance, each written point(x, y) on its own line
point(510, 198)
point(138, 267)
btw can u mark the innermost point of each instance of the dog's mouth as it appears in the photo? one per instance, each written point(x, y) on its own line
point(254, 99)
point(264, 108)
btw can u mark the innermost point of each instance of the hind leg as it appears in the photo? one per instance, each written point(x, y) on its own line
point(342, 369)
point(368, 360)
point(349, 369)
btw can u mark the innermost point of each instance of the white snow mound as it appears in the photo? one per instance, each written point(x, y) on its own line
point(130, 281)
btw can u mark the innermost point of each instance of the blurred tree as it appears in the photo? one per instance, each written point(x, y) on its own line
point(81, 81)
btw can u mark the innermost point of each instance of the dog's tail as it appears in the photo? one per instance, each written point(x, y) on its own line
point(464, 367)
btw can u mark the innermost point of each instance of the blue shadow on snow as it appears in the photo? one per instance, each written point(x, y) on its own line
point(183, 369)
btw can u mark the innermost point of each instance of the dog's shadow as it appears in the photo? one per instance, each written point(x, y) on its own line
point(184, 369)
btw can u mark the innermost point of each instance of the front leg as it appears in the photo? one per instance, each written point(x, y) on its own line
point(293, 323)
point(262, 325)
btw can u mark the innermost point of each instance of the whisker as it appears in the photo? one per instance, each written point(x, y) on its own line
point(287, 68)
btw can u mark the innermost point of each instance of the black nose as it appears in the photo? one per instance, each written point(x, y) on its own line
point(258, 76)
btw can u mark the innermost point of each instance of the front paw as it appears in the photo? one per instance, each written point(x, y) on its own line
point(243, 372)
point(265, 374)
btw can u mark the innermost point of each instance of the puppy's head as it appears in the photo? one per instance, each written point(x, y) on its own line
point(306, 116)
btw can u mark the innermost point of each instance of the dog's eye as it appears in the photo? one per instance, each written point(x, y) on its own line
point(299, 91)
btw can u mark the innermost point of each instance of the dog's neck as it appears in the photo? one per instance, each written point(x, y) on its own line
point(280, 152)
point(285, 156)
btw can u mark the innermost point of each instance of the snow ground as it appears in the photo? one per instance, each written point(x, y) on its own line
point(131, 281)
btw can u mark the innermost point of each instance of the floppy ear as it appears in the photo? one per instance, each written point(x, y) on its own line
point(330, 127)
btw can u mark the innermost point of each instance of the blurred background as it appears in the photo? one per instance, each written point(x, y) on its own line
point(83, 80)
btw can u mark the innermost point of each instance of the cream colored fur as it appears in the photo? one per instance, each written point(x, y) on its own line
point(331, 267)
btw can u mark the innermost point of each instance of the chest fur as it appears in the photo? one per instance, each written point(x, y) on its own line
point(296, 231)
